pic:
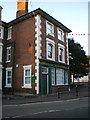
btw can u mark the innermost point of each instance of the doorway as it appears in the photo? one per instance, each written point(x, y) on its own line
point(45, 81)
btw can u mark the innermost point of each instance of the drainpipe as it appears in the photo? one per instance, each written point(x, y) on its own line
point(13, 62)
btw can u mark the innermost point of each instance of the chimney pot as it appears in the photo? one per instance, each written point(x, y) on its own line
point(22, 7)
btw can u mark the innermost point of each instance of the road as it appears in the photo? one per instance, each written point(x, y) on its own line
point(73, 108)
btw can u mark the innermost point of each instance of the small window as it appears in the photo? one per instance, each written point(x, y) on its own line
point(1, 32)
point(9, 33)
point(61, 52)
point(50, 50)
point(27, 76)
point(0, 53)
point(44, 70)
point(8, 54)
point(60, 35)
point(50, 29)
point(8, 77)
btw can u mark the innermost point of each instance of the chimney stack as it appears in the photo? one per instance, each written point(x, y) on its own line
point(22, 8)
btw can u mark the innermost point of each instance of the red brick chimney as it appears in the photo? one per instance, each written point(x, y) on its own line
point(22, 8)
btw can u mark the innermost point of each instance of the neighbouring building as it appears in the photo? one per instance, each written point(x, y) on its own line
point(1, 45)
point(35, 53)
point(89, 69)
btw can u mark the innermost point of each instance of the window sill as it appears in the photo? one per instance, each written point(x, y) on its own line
point(51, 34)
point(61, 61)
point(9, 38)
point(26, 87)
point(8, 86)
point(60, 40)
point(8, 61)
point(50, 59)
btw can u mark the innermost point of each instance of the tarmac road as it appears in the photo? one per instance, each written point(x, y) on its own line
point(72, 108)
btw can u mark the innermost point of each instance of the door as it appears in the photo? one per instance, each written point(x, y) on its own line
point(44, 84)
point(44, 81)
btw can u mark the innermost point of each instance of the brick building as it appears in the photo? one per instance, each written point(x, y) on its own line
point(35, 53)
point(1, 45)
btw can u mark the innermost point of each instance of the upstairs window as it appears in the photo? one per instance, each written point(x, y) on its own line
point(50, 29)
point(9, 33)
point(60, 35)
point(61, 54)
point(1, 32)
point(8, 54)
point(50, 50)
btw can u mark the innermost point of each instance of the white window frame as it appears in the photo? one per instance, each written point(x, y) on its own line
point(53, 52)
point(7, 84)
point(1, 52)
point(44, 70)
point(66, 77)
point(58, 82)
point(2, 29)
point(62, 47)
point(7, 58)
point(9, 33)
point(24, 69)
point(51, 33)
point(60, 37)
point(53, 77)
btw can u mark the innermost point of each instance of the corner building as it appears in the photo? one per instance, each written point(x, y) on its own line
point(36, 53)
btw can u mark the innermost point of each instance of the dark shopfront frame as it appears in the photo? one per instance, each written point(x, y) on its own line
point(51, 64)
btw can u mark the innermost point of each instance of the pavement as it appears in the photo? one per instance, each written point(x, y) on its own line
point(83, 91)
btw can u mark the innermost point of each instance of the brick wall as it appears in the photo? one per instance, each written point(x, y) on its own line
point(55, 39)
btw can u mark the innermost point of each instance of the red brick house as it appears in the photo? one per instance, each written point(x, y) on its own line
point(35, 53)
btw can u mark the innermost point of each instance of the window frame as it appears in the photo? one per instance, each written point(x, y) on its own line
point(2, 29)
point(51, 33)
point(27, 67)
point(7, 58)
point(1, 53)
point(63, 57)
point(53, 79)
point(9, 69)
point(58, 82)
point(9, 33)
point(50, 50)
point(66, 77)
point(61, 38)
point(53, 49)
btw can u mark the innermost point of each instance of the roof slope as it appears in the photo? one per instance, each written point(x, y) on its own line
point(42, 13)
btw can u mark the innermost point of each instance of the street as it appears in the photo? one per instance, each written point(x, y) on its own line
point(73, 108)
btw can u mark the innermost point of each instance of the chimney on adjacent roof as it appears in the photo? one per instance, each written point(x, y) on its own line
point(22, 8)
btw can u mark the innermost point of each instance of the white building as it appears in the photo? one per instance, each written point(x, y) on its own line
point(1, 45)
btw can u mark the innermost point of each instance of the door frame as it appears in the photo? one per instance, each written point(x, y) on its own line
point(45, 73)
